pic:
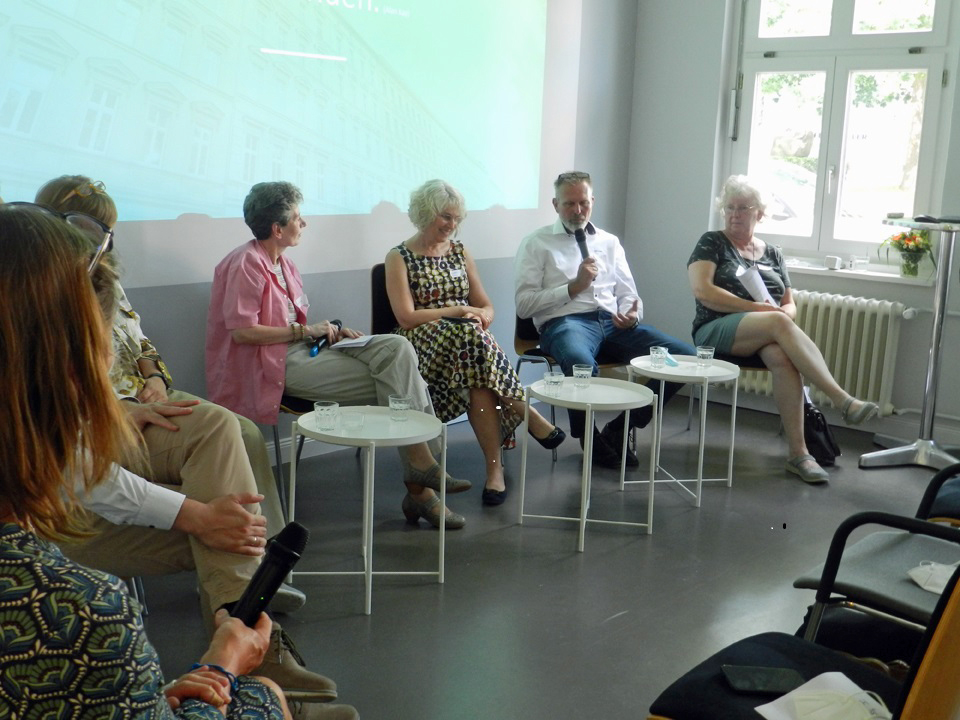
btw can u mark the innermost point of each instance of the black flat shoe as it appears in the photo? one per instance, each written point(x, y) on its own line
point(552, 440)
point(493, 497)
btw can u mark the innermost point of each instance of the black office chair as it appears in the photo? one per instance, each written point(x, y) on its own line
point(929, 690)
point(382, 319)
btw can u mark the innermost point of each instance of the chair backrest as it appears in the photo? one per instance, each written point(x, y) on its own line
point(382, 319)
point(525, 336)
point(941, 499)
point(934, 689)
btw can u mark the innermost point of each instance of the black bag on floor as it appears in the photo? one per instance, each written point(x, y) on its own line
point(817, 434)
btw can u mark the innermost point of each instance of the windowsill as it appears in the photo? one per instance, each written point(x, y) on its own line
point(872, 273)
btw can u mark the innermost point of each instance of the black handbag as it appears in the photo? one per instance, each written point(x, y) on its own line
point(817, 434)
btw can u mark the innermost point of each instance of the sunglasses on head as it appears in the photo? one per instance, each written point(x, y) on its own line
point(88, 225)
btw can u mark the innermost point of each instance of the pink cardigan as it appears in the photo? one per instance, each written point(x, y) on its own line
point(249, 379)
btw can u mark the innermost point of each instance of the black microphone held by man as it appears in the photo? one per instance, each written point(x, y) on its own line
point(581, 243)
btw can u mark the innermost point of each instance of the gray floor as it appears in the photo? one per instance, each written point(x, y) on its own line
point(525, 626)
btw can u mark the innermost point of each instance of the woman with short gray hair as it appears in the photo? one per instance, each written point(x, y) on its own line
point(742, 323)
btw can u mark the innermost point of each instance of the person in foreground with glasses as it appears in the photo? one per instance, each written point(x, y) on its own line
point(443, 310)
point(587, 308)
point(196, 448)
point(736, 321)
point(258, 345)
point(64, 620)
point(139, 373)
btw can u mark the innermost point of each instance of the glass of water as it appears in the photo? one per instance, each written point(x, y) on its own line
point(581, 376)
point(658, 357)
point(399, 407)
point(552, 383)
point(704, 356)
point(327, 413)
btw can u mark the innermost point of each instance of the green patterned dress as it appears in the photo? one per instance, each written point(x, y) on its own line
point(72, 645)
point(455, 357)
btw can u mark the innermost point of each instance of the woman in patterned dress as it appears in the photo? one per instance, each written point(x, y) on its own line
point(73, 642)
point(443, 310)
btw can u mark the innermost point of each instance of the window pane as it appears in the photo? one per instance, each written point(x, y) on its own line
point(884, 117)
point(891, 16)
point(785, 147)
point(794, 18)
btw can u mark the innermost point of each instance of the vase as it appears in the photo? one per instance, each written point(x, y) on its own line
point(910, 264)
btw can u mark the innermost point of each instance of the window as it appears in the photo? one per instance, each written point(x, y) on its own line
point(98, 118)
point(838, 116)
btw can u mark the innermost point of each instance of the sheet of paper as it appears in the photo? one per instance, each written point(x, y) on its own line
point(354, 342)
point(819, 690)
point(750, 277)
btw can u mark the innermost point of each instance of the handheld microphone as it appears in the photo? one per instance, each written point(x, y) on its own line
point(581, 243)
point(320, 343)
point(283, 551)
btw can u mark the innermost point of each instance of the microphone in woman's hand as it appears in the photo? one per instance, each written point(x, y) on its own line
point(321, 342)
point(283, 551)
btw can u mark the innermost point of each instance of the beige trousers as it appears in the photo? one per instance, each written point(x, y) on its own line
point(205, 459)
point(387, 365)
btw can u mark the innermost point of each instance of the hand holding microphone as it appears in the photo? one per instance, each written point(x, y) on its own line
point(281, 555)
point(321, 342)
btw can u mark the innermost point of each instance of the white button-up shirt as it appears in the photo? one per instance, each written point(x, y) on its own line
point(549, 258)
point(127, 499)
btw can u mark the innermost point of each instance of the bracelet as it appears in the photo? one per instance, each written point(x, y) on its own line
point(230, 676)
point(159, 375)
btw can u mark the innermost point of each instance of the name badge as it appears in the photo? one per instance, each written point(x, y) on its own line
point(458, 272)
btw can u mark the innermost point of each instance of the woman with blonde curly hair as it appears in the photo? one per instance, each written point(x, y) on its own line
point(437, 297)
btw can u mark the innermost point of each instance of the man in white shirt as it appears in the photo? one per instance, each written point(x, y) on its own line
point(587, 310)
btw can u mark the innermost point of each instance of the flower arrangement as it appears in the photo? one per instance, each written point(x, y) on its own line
point(912, 245)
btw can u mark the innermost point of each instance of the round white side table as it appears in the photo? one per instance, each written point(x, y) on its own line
point(687, 371)
point(378, 430)
point(600, 395)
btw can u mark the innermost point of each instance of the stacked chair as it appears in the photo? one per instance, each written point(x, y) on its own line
point(868, 580)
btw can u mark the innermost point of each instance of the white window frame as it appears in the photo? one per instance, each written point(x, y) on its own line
point(841, 33)
point(838, 54)
point(837, 71)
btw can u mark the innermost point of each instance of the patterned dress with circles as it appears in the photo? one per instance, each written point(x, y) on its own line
point(455, 356)
point(73, 646)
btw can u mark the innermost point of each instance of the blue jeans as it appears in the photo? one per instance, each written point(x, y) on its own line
point(591, 338)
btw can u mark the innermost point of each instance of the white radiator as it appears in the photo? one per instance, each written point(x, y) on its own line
point(858, 338)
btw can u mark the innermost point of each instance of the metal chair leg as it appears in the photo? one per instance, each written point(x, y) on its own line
point(281, 484)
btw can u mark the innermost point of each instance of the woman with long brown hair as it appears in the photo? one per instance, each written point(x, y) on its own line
point(63, 430)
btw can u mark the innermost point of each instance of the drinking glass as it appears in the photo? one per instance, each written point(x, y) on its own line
point(658, 357)
point(552, 382)
point(327, 413)
point(704, 356)
point(581, 376)
point(399, 405)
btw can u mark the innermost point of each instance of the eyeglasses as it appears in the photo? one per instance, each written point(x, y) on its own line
point(572, 177)
point(739, 209)
point(90, 226)
point(87, 189)
point(449, 217)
